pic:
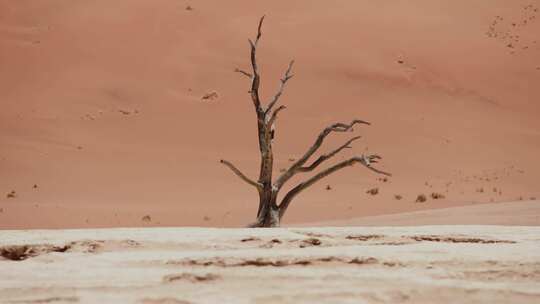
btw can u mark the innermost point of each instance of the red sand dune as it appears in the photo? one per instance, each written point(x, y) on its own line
point(102, 109)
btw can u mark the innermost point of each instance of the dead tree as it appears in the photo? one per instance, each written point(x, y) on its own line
point(270, 212)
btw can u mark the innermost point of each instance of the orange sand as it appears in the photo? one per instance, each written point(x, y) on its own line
point(102, 110)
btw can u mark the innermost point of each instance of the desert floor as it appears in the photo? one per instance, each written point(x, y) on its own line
point(103, 120)
point(429, 264)
point(408, 264)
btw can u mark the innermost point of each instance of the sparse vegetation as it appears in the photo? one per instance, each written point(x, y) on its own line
point(421, 198)
point(373, 191)
point(11, 194)
point(437, 196)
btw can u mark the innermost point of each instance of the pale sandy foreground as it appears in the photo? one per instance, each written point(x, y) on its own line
point(427, 264)
point(93, 93)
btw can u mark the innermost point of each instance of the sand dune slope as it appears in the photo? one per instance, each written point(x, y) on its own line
point(103, 119)
point(431, 264)
point(508, 214)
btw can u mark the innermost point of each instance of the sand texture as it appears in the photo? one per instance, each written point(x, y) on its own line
point(429, 264)
point(116, 113)
point(525, 213)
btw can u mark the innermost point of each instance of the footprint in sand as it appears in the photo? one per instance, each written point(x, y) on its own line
point(508, 30)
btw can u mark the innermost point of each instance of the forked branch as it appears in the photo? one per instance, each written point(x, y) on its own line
point(242, 175)
point(364, 160)
point(284, 80)
point(295, 167)
point(327, 156)
point(274, 115)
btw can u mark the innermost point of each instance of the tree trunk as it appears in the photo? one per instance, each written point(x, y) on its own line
point(268, 218)
point(268, 214)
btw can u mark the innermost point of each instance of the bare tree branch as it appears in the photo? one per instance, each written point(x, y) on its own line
point(241, 175)
point(364, 160)
point(325, 157)
point(256, 78)
point(237, 70)
point(274, 115)
point(284, 80)
point(337, 127)
point(259, 33)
